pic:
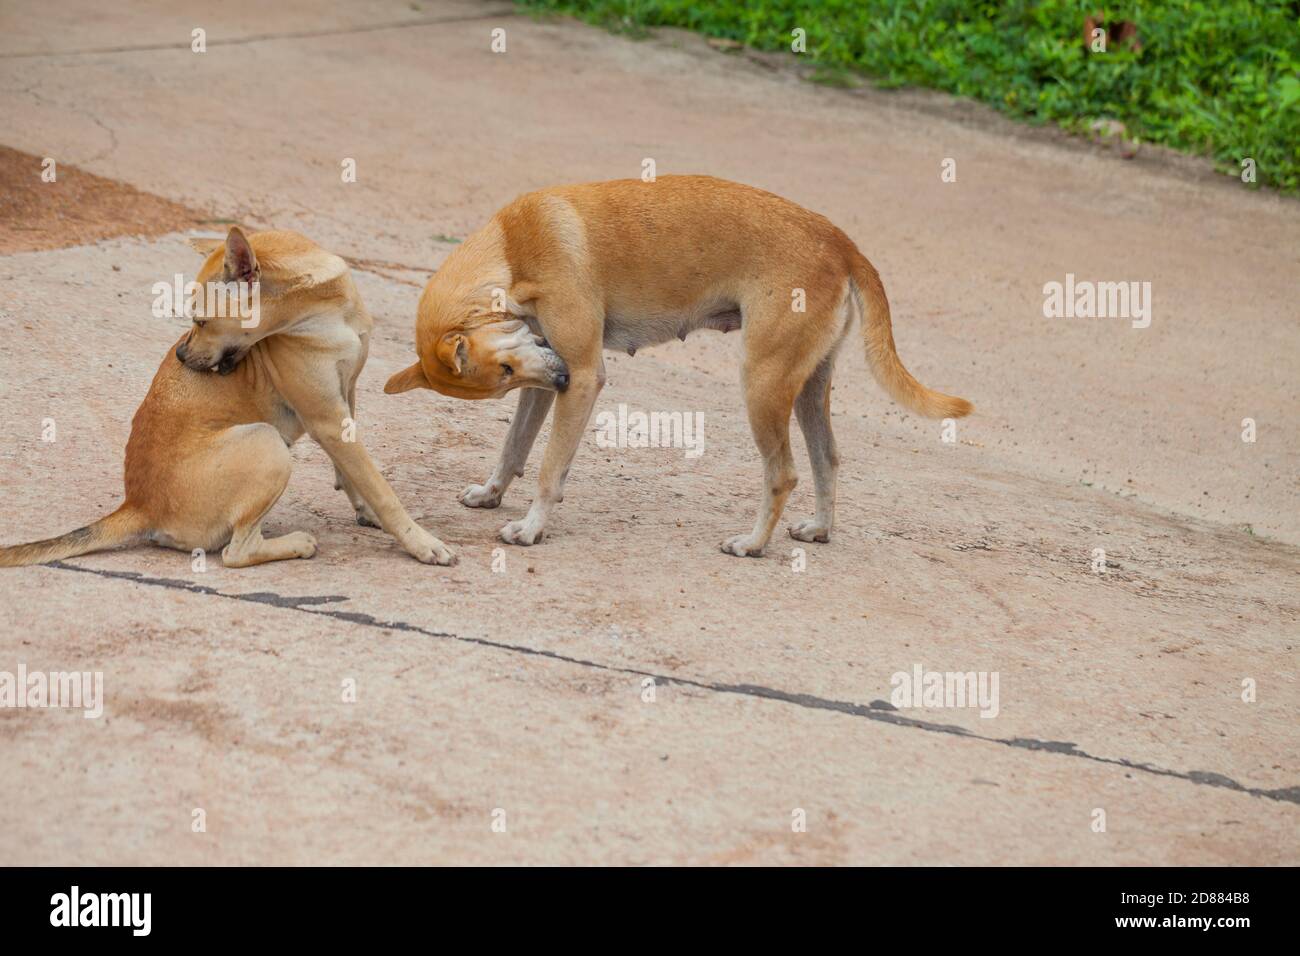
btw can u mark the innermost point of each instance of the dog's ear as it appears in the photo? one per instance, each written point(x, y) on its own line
point(205, 247)
point(241, 265)
point(453, 351)
point(406, 379)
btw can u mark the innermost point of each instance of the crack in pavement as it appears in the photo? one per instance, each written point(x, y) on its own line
point(262, 37)
point(43, 100)
point(878, 710)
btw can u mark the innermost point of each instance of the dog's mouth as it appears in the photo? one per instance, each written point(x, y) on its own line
point(556, 369)
point(226, 364)
point(528, 359)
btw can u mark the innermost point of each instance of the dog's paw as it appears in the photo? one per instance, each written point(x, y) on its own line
point(429, 550)
point(481, 496)
point(303, 544)
point(525, 531)
point(743, 546)
point(366, 517)
point(810, 530)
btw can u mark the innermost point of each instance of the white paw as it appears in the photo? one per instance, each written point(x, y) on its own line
point(481, 496)
point(429, 550)
point(304, 545)
point(366, 516)
point(525, 531)
point(810, 530)
point(743, 546)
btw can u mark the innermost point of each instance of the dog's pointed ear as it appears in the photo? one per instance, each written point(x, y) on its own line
point(406, 379)
point(453, 351)
point(205, 247)
point(241, 264)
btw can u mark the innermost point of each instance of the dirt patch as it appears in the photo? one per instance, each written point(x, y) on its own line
point(77, 208)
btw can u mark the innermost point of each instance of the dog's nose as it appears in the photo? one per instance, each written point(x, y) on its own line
point(181, 352)
point(562, 381)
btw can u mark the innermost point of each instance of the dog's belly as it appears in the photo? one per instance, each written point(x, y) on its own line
point(627, 332)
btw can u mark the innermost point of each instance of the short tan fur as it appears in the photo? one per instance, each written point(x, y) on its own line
point(556, 276)
point(208, 454)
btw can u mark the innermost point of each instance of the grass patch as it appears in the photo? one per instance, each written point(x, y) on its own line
point(835, 76)
point(1218, 78)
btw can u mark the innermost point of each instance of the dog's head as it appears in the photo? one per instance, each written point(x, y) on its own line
point(250, 287)
point(468, 350)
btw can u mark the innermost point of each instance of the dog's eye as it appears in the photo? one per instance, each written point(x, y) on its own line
point(507, 369)
point(199, 323)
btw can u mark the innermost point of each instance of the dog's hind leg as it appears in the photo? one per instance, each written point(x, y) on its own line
point(534, 404)
point(813, 409)
point(366, 516)
point(769, 396)
point(782, 357)
point(253, 464)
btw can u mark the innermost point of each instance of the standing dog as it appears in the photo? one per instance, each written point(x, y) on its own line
point(531, 299)
point(209, 449)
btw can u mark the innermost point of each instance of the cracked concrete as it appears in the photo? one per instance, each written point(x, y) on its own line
point(523, 689)
point(879, 710)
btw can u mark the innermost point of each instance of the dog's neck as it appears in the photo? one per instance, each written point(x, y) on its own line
point(320, 310)
point(465, 291)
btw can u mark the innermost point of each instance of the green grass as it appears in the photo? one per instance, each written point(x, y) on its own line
point(1217, 78)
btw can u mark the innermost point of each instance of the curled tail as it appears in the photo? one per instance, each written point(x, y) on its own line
point(878, 334)
point(123, 526)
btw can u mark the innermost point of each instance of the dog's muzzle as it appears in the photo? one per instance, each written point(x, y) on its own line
point(527, 346)
point(557, 370)
point(222, 366)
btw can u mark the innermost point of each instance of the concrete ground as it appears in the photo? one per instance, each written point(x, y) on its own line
point(519, 696)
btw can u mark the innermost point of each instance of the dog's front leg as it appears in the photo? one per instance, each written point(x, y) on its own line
point(572, 412)
point(359, 472)
point(534, 403)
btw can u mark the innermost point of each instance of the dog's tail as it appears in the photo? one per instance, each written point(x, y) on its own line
point(124, 526)
point(878, 334)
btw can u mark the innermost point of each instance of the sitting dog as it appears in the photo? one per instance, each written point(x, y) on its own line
point(530, 300)
point(208, 454)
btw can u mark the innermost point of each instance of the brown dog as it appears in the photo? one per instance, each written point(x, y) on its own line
point(208, 454)
point(531, 299)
